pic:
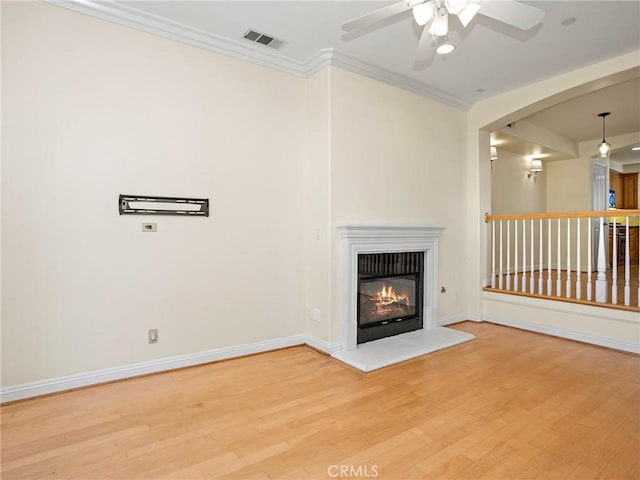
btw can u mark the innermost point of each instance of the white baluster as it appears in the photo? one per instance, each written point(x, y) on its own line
point(559, 278)
point(589, 254)
point(549, 261)
point(627, 275)
point(601, 279)
point(515, 275)
point(532, 280)
point(540, 281)
point(493, 254)
point(524, 256)
point(500, 275)
point(578, 271)
point(568, 282)
point(509, 254)
point(614, 267)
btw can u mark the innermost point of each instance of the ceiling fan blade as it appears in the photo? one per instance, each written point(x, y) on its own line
point(425, 50)
point(512, 13)
point(380, 15)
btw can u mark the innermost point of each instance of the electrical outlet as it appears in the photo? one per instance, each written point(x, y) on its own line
point(314, 314)
point(153, 335)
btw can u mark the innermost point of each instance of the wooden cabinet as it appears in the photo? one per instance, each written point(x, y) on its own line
point(621, 244)
point(626, 187)
point(630, 190)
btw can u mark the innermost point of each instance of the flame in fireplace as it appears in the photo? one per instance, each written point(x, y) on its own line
point(388, 296)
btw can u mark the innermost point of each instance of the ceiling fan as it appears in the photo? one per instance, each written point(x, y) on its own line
point(434, 16)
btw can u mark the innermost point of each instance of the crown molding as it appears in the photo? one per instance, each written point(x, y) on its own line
point(347, 62)
point(131, 17)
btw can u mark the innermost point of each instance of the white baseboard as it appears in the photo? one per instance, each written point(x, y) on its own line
point(451, 319)
point(457, 318)
point(553, 331)
point(326, 347)
point(69, 382)
point(568, 334)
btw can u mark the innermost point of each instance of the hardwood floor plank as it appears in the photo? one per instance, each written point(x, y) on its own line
point(509, 405)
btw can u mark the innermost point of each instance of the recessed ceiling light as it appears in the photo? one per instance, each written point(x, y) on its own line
point(568, 21)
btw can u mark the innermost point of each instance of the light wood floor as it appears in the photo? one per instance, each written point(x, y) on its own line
point(509, 405)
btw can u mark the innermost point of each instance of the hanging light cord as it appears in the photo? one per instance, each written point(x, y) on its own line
point(603, 115)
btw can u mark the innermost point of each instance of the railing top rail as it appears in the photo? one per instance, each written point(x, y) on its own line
point(535, 216)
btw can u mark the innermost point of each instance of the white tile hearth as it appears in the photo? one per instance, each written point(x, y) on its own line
point(388, 351)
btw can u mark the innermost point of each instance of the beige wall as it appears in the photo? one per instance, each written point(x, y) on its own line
point(569, 185)
point(317, 224)
point(398, 158)
point(512, 192)
point(91, 110)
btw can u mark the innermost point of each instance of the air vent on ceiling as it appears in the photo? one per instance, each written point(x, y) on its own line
point(263, 39)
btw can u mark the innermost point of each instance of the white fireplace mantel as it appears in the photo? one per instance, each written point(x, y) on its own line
point(360, 239)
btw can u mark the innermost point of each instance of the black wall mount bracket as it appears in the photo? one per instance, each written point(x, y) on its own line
point(147, 205)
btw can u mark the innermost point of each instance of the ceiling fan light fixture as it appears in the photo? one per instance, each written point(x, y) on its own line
point(444, 46)
point(440, 25)
point(455, 6)
point(469, 11)
point(424, 12)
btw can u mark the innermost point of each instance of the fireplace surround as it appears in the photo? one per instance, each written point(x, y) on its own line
point(359, 240)
point(386, 242)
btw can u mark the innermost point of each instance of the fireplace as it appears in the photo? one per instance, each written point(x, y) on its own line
point(389, 283)
point(390, 294)
point(404, 258)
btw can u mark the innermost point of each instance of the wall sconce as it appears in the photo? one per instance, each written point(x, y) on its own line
point(536, 168)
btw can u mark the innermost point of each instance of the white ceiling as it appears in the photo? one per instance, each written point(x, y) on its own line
point(490, 58)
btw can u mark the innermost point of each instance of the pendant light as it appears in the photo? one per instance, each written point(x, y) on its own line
point(604, 148)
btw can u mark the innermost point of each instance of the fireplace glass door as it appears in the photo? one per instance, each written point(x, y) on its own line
point(390, 294)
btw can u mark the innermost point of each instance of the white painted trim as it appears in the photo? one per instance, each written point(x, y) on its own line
point(451, 319)
point(68, 382)
point(542, 303)
point(126, 15)
point(369, 70)
point(553, 331)
point(362, 238)
point(548, 304)
point(326, 347)
point(568, 334)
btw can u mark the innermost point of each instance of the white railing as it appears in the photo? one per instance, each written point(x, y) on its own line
point(567, 246)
